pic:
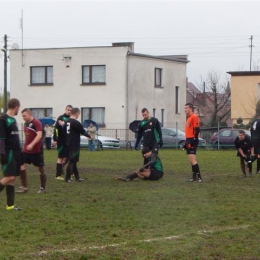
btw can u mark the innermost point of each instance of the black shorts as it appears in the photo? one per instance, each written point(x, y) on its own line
point(33, 158)
point(191, 146)
point(256, 143)
point(63, 151)
point(153, 147)
point(155, 175)
point(12, 167)
point(74, 156)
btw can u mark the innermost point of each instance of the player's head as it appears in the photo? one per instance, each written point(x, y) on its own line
point(75, 112)
point(241, 134)
point(188, 108)
point(145, 113)
point(68, 109)
point(146, 151)
point(27, 115)
point(14, 104)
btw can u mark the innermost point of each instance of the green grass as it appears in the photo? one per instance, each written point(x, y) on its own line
point(105, 219)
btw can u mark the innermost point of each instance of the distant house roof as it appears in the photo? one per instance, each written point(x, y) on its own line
point(244, 73)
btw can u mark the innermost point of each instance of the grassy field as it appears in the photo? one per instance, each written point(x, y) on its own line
point(106, 219)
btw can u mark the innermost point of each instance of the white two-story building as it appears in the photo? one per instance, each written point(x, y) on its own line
point(109, 84)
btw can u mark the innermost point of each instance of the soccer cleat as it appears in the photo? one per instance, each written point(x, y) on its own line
point(59, 178)
point(21, 189)
point(41, 190)
point(191, 180)
point(122, 178)
point(79, 180)
point(12, 208)
point(69, 181)
point(200, 180)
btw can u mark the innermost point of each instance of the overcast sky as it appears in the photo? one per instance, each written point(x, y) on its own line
point(214, 34)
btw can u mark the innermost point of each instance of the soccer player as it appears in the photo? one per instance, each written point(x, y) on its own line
point(10, 151)
point(153, 170)
point(150, 130)
point(59, 139)
point(255, 138)
point(74, 130)
point(192, 130)
point(245, 150)
point(32, 150)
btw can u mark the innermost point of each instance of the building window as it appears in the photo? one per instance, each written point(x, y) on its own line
point(162, 120)
point(96, 114)
point(41, 75)
point(158, 77)
point(41, 112)
point(177, 100)
point(154, 110)
point(92, 75)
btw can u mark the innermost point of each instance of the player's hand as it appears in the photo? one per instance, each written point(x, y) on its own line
point(184, 147)
point(4, 159)
point(161, 143)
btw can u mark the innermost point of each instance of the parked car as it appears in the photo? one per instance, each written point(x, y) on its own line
point(102, 141)
point(173, 138)
point(225, 138)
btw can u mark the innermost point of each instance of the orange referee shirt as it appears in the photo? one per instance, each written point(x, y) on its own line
point(191, 123)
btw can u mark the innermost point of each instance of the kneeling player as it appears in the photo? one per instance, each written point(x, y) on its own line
point(153, 170)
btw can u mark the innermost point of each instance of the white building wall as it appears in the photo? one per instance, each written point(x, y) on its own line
point(143, 92)
point(129, 85)
point(67, 78)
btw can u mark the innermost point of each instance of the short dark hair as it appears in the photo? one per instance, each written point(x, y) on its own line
point(75, 111)
point(145, 110)
point(70, 106)
point(190, 105)
point(13, 102)
point(242, 132)
point(145, 150)
point(28, 110)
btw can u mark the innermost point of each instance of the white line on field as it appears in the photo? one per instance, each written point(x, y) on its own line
point(201, 232)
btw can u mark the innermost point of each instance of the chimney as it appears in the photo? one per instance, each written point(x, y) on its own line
point(130, 45)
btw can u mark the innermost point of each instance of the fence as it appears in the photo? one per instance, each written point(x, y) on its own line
point(127, 138)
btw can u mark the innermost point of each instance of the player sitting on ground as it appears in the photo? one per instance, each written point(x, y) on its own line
point(153, 170)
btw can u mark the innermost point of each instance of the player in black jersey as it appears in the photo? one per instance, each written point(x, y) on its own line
point(255, 138)
point(153, 170)
point(74, 130)
point(10, 151)
point(245, 151)
point(150, 130)
point(59, 139)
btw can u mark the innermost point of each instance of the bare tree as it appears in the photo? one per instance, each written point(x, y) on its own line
point(217, 102)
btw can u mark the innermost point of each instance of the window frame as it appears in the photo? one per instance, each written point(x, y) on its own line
point(90, 115)
point(159, 85)
point(91, 75)
point(45, 83)
point(177, 100)
point(45, 111)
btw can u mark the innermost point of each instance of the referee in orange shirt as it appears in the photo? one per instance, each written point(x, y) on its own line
point(192, 130)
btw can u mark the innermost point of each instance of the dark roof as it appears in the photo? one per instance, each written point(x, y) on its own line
point(178, 58)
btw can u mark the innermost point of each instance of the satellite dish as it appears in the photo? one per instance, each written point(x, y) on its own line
point(15, 46)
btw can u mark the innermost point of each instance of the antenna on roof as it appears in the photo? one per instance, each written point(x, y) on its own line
point(21, 25)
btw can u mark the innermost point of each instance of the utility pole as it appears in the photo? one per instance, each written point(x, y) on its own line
point(251, 46)
point(4, 49)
